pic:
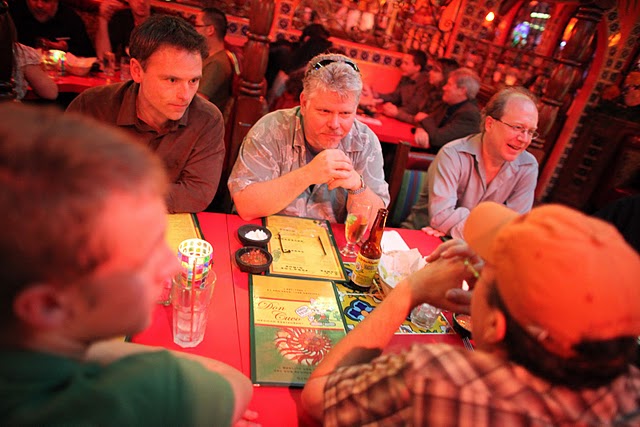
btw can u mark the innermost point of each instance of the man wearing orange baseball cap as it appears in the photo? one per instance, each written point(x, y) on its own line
point(556, 316)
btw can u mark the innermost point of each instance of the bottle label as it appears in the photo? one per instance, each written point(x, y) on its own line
point(365, 270)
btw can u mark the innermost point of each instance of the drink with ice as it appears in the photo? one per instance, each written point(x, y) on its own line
point(191, 309)
point(189, 326)
point(425, 315)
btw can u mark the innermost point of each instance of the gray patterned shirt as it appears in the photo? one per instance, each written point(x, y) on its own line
point(275, 146)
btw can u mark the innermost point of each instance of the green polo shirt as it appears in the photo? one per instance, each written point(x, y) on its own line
point(150, 389)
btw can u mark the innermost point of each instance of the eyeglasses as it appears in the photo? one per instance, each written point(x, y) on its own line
point(520, 129)
point(325, 62)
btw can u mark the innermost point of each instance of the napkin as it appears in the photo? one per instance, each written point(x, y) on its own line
point(396, 265)
point(392, 241)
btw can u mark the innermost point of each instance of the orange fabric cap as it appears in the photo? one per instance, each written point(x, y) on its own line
point(564, 276)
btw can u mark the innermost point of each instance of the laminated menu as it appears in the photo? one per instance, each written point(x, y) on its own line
point(303, 247)
point(294, 324)
point(180, 227)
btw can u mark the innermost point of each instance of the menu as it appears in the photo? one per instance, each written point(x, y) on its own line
point(294, 324)
point(180, 227)
point(303, 247)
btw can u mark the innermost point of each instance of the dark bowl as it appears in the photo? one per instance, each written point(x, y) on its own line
point(251, 268)
point(244, 229)
point(462, 324)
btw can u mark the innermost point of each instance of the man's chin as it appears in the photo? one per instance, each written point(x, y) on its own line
point(331, 141)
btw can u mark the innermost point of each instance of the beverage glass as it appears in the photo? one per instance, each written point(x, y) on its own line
point(425, 315)
point(355, 226)
point(191, 309)
point(109, 64)
point(125, 70)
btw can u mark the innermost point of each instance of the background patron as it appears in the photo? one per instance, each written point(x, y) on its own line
point(48, 24)
point(493, 165)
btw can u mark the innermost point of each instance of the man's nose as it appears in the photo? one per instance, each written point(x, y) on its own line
point(334, 121)
point(183, 91)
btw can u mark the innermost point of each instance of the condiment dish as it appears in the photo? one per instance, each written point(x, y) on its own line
point(462, 324)
point(253, 253)
point(248, 241)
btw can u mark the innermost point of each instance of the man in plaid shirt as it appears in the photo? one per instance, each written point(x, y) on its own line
point(555, 319)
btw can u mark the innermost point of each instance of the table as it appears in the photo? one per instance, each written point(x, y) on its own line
point(390, 130)
point(227, 337)
point(78, 84)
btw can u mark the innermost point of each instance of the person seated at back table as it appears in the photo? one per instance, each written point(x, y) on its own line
point(411, 93)
point(456, 116)
point(26, 69)
point(55, 25)
point(490, 166)
point(555, 318)
point(315, 159)
point(115, 24)
point(287, 86)
point(159, 107)
point(83, 259)
point(217, 74)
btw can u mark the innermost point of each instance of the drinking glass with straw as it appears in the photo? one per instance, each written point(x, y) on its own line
point(191, 292)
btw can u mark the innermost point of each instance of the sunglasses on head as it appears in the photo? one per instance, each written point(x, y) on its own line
point(325, 62)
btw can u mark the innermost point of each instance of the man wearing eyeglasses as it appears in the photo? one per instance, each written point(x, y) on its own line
point(314, 159)
point(490, 166)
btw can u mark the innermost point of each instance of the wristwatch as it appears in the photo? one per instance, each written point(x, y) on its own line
point(363, 187)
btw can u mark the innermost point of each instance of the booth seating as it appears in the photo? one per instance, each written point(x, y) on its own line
point(413, 177)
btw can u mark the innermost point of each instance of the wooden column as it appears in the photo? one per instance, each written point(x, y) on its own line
point(567, 77)
point(251, 103)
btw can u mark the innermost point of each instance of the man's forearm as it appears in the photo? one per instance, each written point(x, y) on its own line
point(269, 197)
point(361, 345)
point(103, 44)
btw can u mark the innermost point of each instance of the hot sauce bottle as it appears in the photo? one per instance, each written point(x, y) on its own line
point(369, 256)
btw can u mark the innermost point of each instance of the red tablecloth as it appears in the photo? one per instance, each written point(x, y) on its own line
point(392, 131)
point(228, 335)
point(221, 340)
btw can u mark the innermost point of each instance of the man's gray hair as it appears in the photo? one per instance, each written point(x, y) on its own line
point(468, 79)
point(332, 73)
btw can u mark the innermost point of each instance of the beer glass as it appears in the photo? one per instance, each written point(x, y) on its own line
point(355, 226)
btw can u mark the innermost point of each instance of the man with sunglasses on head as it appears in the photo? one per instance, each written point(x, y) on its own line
point(490, 166)
point(314, 159)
